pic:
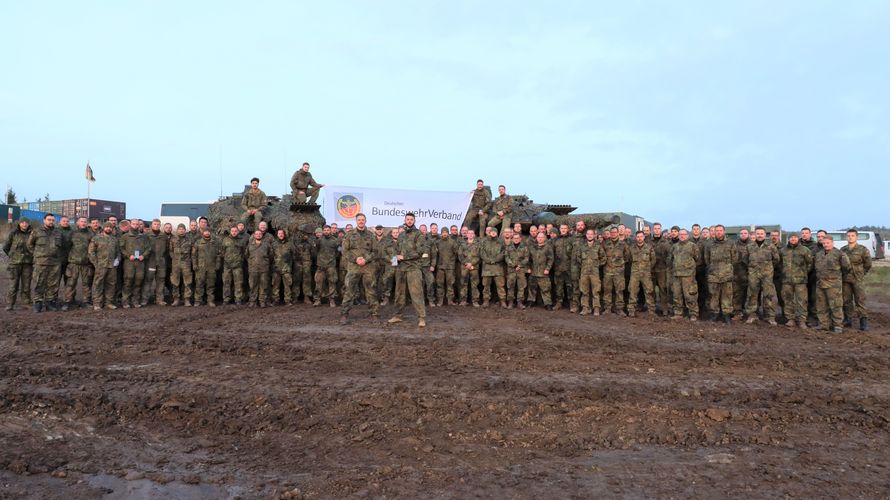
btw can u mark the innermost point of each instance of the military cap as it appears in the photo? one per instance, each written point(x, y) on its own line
point(378, 226)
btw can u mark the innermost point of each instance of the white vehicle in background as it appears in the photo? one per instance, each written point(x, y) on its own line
point(869, 239)
point(182, 212)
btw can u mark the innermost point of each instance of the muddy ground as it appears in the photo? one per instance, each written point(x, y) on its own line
point(231, 402)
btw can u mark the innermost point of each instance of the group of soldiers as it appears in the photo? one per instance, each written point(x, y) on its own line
point(803, 283)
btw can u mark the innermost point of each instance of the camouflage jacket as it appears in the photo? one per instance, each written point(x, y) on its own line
point(301, 181)
point(180, 250)
point(470, 254)
point(446, 253)
point(617, 254)
point(79, 246)
point(762, 259)
point(860, 263)
point(159, 244)
point(684, 258)
point(47, 245)
point(411, 248)
point(662, 252)
point(720, 257)
point(327, 252)
point(253, 199)
point(259, 256)
point(481, 199)
point(502, 204)
point(359, 244)
point(590, 257)
point(16, 246)
point(642, 257)
point(232, 252)
point(104, 250)
point(492, 255)
point(830, 267)
point(303, 252)
point(385, 249)
point(205, 255)
point(740, 267)
point(797, 262)
point(283, 255)
point(562, 254)
point(516, 256)
point(541, 259)
point(134, 241)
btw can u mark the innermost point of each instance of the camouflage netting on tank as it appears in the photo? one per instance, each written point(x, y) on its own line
point(224, 214)
point(527, 212)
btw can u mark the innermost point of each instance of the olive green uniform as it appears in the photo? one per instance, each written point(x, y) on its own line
point(205, 260)
point(541, 262)
point(105, 255)
point(516, 258)
point(303, 185)
point(617, 255)
point(762, 258)
point(503, 203)
point(478, 203)
point(79, 269)
point(326, 273)
point(259, 262)
point(642, 261)
point(19, 267)
point(408, 275)
point(830, 267)
point(854, 281)
point(683, 262)
point(359, 244)
point(720, 258)
point(232, 250)
point(446, 262)
point(562, 269)
point(492, 256)
point(740, 277)
point(156, 268)
point(46, 245)
point(181, 268)
point(590, 257)
point(253, 200)
point(133, 245)
point(797, 262)
point(469, 255)
point(660, 271)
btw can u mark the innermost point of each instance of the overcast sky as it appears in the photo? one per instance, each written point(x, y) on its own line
point(734, 112)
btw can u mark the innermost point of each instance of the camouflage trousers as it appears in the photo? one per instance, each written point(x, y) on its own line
point(757, 286)
point(496, 282)
point(445, 284)
point(540, 284)
point(739, 294)
point(795, 296)
point(516, 285)
point(19, 282)
point(429, 283)
point(386, 278)
point(283, 280)
point(562, 284)
point(181, 275)
point(410, 281)
point(830, 303)
point(701, 277)
point(104, 280)
point(641, 280)
point(46, 288)
point(662, 289)
point(82, 274)
point(326, 279)
point(473, 216)
point(355, 281)
point(685, 294)
point(205, 285)
point(154, 285)
point(303, 281)
point(259, 285)
point(590, 287)
point(498, 221)
point(854, 300)
point(468, 278)
point(613, 290)
point(134, 275)
point(301, 195)
point(720, 297)
point(233, 284)
point(252, 222)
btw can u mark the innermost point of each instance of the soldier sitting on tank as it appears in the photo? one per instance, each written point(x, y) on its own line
point(253, 202)
point(304, 186)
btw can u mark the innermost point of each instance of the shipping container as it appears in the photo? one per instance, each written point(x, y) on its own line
point(35, 216)
point(102, 209)
point(10, 213)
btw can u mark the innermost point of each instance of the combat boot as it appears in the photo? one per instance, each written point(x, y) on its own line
point(863, 324)
point(585, 311)
point(485, 304)
point(344, 319)
point(38, 307)
point(573, 309)
point(632, 314)
point(316, 303)
point(10, 307)
point(848, 322)
point(727, 319)
point(504, 304)
point(384, 302)
point(395, 319)
point(596, 311)
point(520, 304)
point(333, 302)
point(837, 329)
point(65, 307)
point(750, 320)
point(175, 302)
point(421, 322)
point(773, 322)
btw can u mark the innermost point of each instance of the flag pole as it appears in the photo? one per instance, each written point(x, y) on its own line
point(88, 196)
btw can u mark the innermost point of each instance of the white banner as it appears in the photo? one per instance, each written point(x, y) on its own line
point(388, 207)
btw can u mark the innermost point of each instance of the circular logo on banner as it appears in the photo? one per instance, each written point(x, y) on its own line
point(348, 206)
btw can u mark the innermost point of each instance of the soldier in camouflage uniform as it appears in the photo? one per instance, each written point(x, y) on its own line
point(469, 256)
point(359, 252)
point(492, 256)
point(135, 248)
point(428, 264)
point(180, 250)
point(326, 272)
point(589, 257)
point(775, 237)
point(797, 261)
point(20, 266)
point(807, 241)
point(516, 258)
point(662, 245)
point(831, 265)
point(303, 268)
point(232, 254)
point(282, 268)
point(701, 272)
point(642, 258)
point(683, 262)
point(720, 257)
point(446, 262)
point(617, 255)
point(156, 266)
point(740, 273)
point(46, 245)
point(205, 261)
point(303, 185)
point(408, 275)
point(253, 202)
point(541, 262)
point(502, 209)
point(562, 266)
point(105, 255)
point(478, 206)
point(79, 268)
point(259, 264)
point(854, 281)
point(762, 259)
